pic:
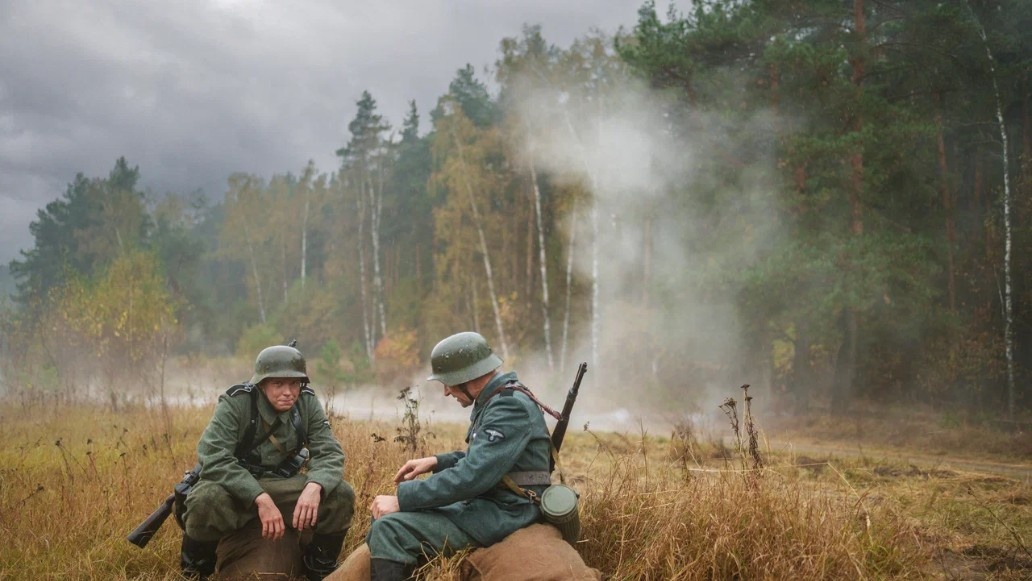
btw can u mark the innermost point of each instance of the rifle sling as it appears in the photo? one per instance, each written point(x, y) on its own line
point(517, 489)
point(517, 386)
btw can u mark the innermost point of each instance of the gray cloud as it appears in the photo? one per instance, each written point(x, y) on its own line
point(193, 90)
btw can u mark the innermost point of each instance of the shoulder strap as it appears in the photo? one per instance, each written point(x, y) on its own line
point(295, 418)
point(517, 386)
point(509, 388)
point(244, 446)
point(299, 427)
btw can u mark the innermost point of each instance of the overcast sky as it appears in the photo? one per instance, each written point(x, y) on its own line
point(194, 90)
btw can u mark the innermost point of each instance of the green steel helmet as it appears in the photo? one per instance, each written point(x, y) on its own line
point(462, 357)
point(279, 361)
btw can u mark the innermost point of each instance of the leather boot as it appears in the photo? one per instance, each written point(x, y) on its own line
point(320, 555)
point(385, 570)
point(197, 558)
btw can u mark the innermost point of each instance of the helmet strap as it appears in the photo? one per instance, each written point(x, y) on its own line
point(465, 390)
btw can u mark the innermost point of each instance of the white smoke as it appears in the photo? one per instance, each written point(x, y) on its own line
point(669, 343)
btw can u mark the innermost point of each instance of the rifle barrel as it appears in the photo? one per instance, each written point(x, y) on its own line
point(559, 433)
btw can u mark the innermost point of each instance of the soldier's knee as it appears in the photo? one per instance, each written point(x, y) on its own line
point(205, 508)
point(205, 495)
point(345, 493)
point(385, 527)
point(342, 497)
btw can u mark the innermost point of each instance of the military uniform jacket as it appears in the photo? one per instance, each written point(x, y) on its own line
point(507, 433)
point(229, 423)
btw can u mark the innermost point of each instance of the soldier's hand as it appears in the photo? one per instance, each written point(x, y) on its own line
point(384, 504)
point(414, 468)
point(306, 510)
point(272, 519)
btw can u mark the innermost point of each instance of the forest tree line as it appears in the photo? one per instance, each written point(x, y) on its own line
point(827, 198)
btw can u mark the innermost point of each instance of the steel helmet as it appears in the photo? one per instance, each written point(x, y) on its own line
point(462, 357)
point(279, 361)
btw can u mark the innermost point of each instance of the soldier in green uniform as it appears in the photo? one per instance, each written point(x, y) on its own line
point(463, 504)
point(251, 453)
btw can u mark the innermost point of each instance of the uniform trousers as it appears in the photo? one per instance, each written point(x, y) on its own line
point(406, 537)
point(212, 513)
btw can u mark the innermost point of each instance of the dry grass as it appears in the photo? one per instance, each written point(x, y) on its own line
point(913, 429)
point(75, 480)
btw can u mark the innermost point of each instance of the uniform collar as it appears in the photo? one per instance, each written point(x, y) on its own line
point(492, 386)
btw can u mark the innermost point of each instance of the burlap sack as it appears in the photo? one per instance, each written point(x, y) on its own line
point(354, 568)
point(246, 555)
point(535, 553)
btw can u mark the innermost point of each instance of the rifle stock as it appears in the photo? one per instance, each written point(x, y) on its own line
point(559, 433)
point(142, 534)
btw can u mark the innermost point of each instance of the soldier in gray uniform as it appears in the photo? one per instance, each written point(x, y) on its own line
point(251, 453)
point(463, 504)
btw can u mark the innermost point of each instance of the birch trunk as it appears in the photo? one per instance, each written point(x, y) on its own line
point(366, 328)
point(570, 246)
point(1008, 301)
point(596, 324)
point(304, 238)
point(257, 281)
point(376, 211)
point(544, 268)
point(484, 253)
point(286, 270)
point(593, 184)
point(473, 306)
point(646, 260)
point(528, 273)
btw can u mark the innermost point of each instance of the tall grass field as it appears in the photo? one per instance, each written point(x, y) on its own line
point(75, 479)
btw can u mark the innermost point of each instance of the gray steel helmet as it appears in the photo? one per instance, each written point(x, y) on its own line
point(279, 361)
point(462, 357)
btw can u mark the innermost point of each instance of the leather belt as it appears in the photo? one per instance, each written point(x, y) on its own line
point(531, 478)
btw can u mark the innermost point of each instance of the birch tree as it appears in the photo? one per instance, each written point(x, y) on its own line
point(525, 70)
point(364, 159)
point(1008, 301)
point(245, 231)
point(465, 174)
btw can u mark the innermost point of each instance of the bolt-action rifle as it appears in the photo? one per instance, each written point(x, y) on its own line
point(142, 534)
point(559, 433)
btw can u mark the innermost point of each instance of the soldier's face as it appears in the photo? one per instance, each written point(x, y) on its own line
point(459, 394)
point(281, 392)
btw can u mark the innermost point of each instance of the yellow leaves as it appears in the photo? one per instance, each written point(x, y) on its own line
point(125, 311)
point(397, 355)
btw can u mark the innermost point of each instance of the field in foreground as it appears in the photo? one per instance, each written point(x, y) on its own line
point(74, 480)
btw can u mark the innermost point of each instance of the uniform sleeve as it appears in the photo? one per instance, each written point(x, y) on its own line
point(500, 438)
point(326, 465)
point(448, 460)
point(216, 447)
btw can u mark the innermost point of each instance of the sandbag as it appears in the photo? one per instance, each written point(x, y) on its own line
point(246, 555)
point(354, 568)
point(534, 553)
